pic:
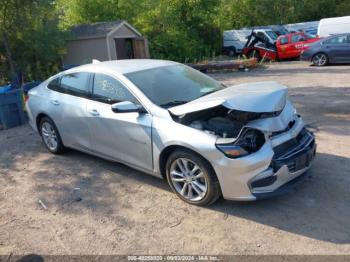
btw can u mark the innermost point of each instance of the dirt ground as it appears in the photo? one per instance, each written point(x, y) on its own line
point(123, 211)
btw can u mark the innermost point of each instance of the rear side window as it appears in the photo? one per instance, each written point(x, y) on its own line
point(284, 40)
point(109, 90)
point(54, 84)
point(337, 40)
point(75, 84)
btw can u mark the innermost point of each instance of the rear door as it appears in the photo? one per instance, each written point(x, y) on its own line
point(68, 108)
point(338, 49)
point(126, 137)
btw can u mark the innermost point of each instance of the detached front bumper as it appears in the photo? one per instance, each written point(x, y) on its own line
point(273, 170)
point(291, 160)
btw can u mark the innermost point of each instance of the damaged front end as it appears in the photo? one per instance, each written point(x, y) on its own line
point(264, 141)
point(234, 137)
point(229, 112)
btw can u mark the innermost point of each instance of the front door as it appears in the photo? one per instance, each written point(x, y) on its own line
point(282, 47)
point(125, 137)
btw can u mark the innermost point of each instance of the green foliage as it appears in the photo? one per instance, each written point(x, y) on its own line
point(73, 12)
point(181, 30)
point(245, 13)
point(31, 29)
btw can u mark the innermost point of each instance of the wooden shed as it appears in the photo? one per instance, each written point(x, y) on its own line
point(104, 41)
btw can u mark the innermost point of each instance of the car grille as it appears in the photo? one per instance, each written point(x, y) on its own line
point(296, 153)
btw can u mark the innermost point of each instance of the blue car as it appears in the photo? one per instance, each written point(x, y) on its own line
point(330, 50)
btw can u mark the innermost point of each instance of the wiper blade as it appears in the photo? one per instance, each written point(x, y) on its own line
point(174, 103)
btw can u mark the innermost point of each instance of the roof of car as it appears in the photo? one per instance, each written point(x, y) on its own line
point(334, 35)
point(125, 66)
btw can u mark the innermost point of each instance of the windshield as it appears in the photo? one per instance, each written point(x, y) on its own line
point(172, 85)
point(310, 34)
point(272, 34)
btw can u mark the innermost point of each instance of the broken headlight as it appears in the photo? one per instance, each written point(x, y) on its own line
point(249, 141)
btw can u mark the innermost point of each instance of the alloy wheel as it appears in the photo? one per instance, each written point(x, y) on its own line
point(188, 179)
point(49, 136)
point(231, 53)
point(320, 59)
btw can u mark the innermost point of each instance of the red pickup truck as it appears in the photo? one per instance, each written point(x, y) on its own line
point(291, 45)
point(286, 46)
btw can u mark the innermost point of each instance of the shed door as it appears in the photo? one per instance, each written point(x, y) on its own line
point(140, 48)
point(124, 48)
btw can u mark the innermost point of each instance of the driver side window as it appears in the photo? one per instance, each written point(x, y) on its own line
point(284, 40)
point(109, 90)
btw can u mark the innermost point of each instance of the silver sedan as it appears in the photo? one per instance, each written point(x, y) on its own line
point(242, 142)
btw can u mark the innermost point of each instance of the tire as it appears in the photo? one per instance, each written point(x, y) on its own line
point(320, 59)
point(191, 174)
point(232, 52)
point(50, 136)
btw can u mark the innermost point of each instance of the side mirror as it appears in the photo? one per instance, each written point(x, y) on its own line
point(127, 107)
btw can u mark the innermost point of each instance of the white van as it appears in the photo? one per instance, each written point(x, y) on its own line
point(234, 41)
point(334, 25)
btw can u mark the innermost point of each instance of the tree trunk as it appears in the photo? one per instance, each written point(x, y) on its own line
point(8, 55)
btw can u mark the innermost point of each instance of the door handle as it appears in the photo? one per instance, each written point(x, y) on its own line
point(94, 112)
point(55, 102)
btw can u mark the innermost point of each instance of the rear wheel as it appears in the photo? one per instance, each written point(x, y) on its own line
point(320, 59)
point(50, 136)
point(192, 178)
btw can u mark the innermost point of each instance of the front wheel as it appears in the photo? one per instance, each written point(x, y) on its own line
point(320, 59)
point(192, 178)
point(232, 52)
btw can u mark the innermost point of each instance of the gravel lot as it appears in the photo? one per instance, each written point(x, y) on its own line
point(124, 211)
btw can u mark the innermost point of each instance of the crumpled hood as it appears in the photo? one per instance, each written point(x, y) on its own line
point(260, 97)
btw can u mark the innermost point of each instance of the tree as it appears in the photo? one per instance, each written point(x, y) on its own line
point(235, 14)
point(73, 12)
point(31, 40)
